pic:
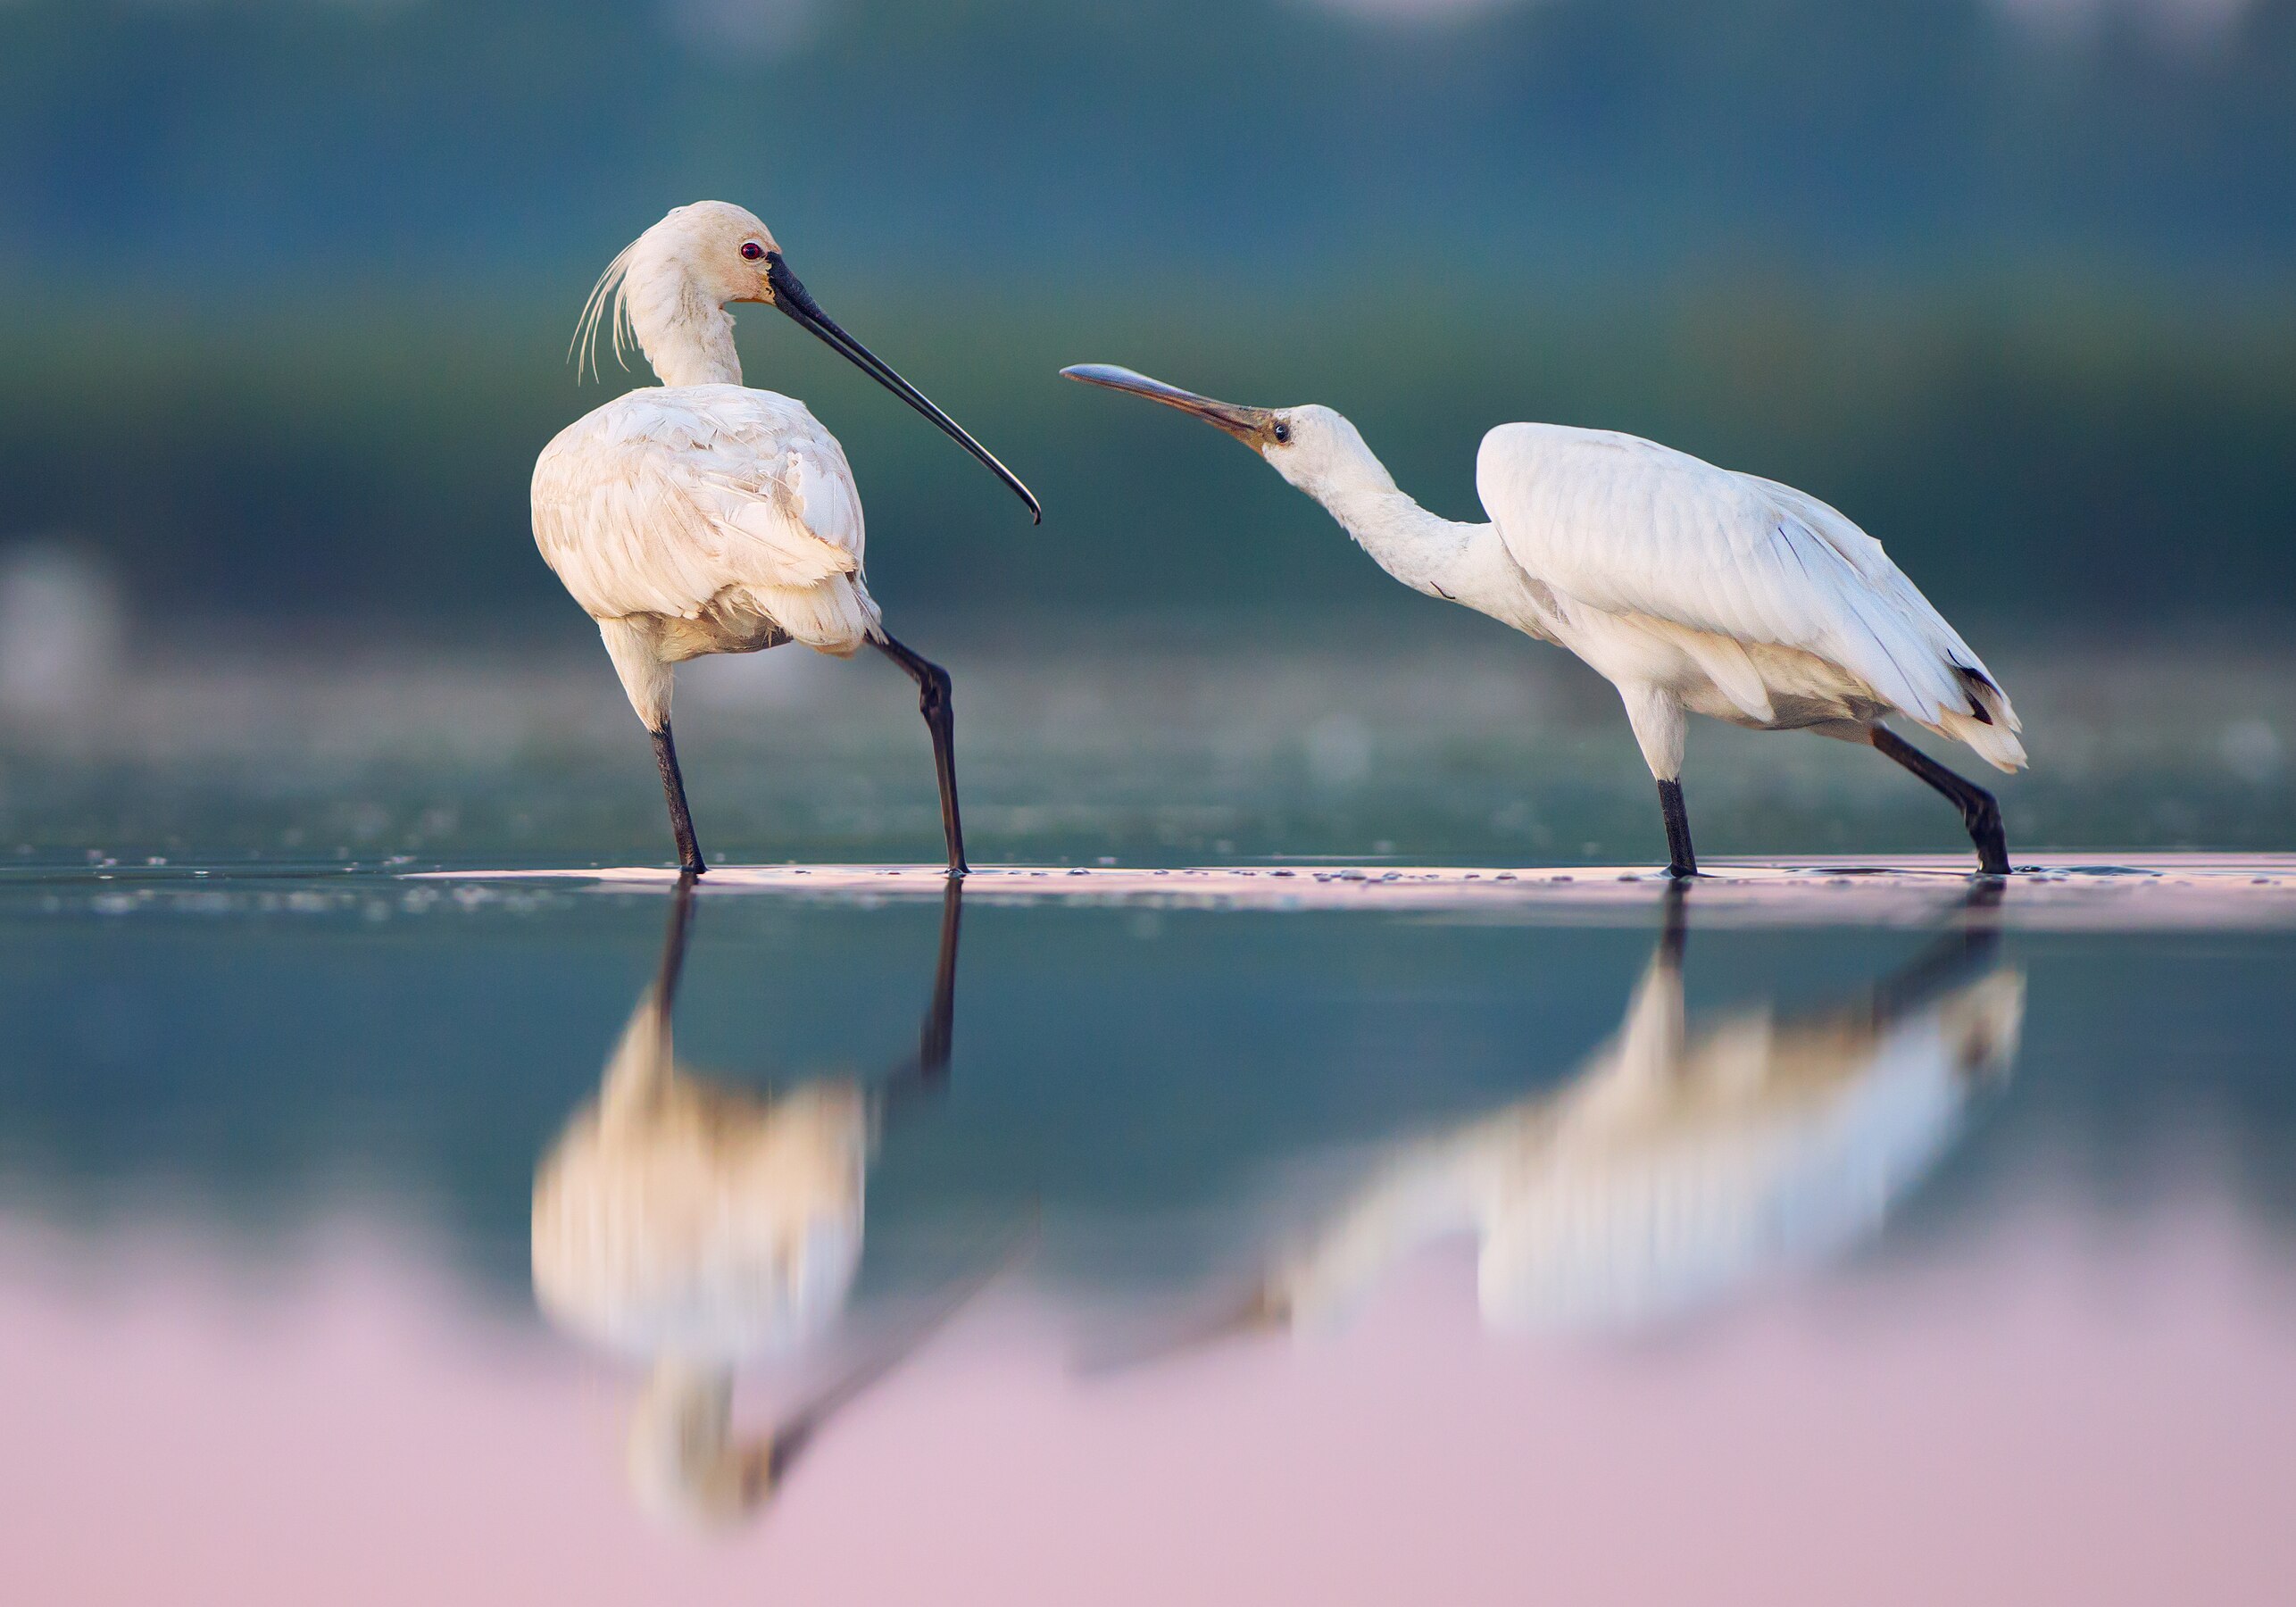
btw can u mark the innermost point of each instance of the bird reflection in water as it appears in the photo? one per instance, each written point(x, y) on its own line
point(1674, 1168)
point(699, 1226)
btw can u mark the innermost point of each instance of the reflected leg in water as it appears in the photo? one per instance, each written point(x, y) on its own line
point(927, 1071)
point(1672, 1168)
point(673, 941)
point(1673, 921)
point(1943, 964)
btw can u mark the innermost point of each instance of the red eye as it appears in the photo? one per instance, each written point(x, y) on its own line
point(752, 250)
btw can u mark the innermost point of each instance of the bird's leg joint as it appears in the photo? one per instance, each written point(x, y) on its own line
point(1981, 811)
point(934, 691)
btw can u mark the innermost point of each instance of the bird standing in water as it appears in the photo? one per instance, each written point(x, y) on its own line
point(1690, 589)
point(701, 516)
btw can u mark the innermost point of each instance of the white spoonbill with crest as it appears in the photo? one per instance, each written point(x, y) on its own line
point(1690, 589)
point(701, 516)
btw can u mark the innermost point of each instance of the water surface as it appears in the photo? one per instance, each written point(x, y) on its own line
point(364, 1236)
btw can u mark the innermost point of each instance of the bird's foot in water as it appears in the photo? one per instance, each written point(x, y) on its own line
point(1981, 816)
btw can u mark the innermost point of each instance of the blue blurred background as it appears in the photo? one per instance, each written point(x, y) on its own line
point(2008, 281)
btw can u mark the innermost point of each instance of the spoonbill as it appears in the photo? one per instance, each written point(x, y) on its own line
point(698, 1226)
point(1674, 1168)
point(1687, 587)
point(700, 516)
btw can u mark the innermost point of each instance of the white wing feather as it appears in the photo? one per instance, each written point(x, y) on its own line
point(663, 499)
point(1629, 527)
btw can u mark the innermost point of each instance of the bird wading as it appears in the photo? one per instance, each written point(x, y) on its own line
point(701, 516)
point(1690, 588)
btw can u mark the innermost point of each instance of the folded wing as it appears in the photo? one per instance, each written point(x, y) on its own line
point(1633, 529)
point(661, 500)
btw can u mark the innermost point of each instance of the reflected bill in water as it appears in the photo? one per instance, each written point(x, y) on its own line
point(696, 1226)
point(1672, 1168)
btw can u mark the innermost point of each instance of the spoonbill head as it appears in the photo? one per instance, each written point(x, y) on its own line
point(1311, 446)
point(713, 255)
point(1690, 588)
point(713, 251)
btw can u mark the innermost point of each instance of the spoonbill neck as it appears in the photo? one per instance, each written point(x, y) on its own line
point(689, 338)
point(1423, 550)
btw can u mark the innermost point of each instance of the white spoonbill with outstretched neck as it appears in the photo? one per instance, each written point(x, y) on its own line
point(701, 516)
point(1690, 588)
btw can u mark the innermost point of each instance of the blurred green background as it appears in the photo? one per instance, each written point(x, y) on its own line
point(292, 283)
point(2008, 280)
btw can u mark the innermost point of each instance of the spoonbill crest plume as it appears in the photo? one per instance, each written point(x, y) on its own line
point(1689, 588)
point(700, 516)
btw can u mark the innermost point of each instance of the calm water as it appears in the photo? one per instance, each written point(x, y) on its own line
point(1409, 732)
point(371, 1235)
point(370, 1238)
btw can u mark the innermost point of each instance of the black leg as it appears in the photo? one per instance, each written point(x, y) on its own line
point(1682, 859)
point(1979, 812)
point(940, 719)
point(673, 786)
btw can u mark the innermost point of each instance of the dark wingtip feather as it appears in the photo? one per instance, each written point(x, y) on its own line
point(1977, 681)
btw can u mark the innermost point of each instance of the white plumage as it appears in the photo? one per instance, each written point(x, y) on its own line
point(676, 1217)
point(662, 501)
point(1790, 615)
point(1692, 589)
point(1671, 1169)
point(705, 517)
point(698, 1227)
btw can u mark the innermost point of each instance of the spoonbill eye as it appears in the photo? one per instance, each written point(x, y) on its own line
point(752, 250)
point(1283, 432)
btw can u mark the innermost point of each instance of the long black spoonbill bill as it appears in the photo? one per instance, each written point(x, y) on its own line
point(1689, 588)
point(700, 516)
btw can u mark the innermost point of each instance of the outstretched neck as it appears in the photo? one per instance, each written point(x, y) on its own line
point(689, 338)
point(1425, 551)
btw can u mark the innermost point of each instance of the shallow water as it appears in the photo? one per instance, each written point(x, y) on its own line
point(1416, 736)
point(364, 1236)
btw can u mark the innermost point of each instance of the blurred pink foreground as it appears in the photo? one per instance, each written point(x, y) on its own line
point(2049, 1416)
